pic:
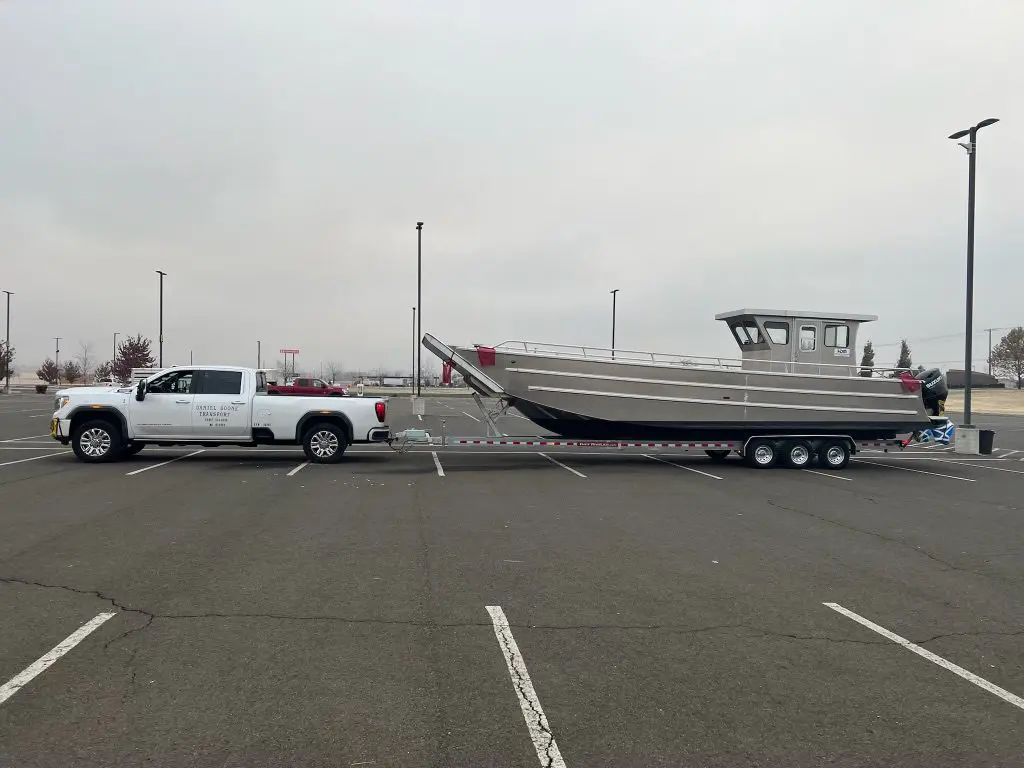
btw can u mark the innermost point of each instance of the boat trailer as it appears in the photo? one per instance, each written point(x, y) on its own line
point(762, 451)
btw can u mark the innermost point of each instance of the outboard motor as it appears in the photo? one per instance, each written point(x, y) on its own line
point(934, 390)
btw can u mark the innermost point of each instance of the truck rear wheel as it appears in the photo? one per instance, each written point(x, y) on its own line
point(96, 441)
point(762, 453)
point(324, 443)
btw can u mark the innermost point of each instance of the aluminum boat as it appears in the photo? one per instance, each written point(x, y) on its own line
point(796, 375)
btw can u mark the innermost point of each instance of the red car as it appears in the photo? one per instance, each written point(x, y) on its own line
point(306, 388)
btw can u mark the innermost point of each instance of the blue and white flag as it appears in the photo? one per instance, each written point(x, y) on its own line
point(942, 434)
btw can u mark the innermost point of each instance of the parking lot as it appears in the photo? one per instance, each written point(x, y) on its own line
point(482, 607)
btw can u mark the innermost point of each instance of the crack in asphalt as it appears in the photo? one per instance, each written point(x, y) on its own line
point(875, 534)
point(152, 616)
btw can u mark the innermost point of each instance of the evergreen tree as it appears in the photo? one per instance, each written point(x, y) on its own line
point(867, 361)
point(904, 360)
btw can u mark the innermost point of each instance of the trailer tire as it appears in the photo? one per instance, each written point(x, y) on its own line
point(324, 443)
point(762, 454)
point(717, 454)
point(797, 454)
point(834, 454)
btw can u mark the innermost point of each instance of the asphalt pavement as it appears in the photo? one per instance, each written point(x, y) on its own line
point(482, 607)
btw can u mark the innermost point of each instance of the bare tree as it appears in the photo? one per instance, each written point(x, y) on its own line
point(85, 359)
point(333, 370)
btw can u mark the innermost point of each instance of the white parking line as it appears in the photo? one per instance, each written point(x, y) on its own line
point(298, 469)
point(24, 677)
point(982, 466)
point(33, 458)
point(826, 474)
point(474, 418)
point(1003, 694)
point(19, 439)
point(164, 463)
point(555, 461)
point(1008, 454)
point(29, 447)
point(437, 463)
point(873, 463)
point(536, 721)
point(680, 466)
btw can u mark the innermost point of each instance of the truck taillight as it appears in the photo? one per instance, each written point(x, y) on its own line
point(382, 410)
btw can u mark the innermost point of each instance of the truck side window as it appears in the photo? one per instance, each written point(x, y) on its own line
point(177, 383)
point(221, 383)
point(319, 384)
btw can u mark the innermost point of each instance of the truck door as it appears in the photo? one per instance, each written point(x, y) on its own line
point(222, 406)
point(166, 410)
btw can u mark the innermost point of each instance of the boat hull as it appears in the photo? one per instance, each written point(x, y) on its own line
point(606, 399)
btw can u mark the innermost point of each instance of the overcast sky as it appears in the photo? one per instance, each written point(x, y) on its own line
point(273, 157)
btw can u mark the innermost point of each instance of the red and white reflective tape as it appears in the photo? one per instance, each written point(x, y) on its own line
point(594, 443)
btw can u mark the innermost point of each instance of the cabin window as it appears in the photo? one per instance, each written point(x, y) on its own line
point(777, 332)
point(747, 333)
point(837, 336)
point(808, 338)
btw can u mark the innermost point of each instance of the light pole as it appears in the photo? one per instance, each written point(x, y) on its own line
point(259, 354)
point(414, 341)
point(7, 347)
point(971, 145)
point(162, 274)
point(419, 303)
point(614, 297)
point(57, 362)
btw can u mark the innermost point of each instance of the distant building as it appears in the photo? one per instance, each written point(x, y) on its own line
point(979, 380)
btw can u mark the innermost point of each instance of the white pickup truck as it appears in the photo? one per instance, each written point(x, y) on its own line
point(211, 405)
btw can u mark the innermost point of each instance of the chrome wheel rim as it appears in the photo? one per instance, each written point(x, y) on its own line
point(764, 454)
point(324, 444)
point(95, 443)
point(835, 455)
point(799, 455)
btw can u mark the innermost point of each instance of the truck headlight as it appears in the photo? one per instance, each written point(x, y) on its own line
point(60, 402)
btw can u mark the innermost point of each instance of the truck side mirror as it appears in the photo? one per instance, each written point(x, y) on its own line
point(140, 391)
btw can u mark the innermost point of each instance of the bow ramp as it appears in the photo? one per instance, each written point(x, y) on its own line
point(476, 379)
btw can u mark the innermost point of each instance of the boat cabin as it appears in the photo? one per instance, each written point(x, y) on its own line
point(821, 343)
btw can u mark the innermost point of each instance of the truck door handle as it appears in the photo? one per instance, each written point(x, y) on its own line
point(238, 402)
point(182, 402)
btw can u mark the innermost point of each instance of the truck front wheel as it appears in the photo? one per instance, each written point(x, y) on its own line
point(324, 443)
point(96, 441)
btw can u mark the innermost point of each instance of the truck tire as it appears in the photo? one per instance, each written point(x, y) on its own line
point(761, 453)
point(797, 454)
point(834, 454)
point(96, 442)
point(324, 443)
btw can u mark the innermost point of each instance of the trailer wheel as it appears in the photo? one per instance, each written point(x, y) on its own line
point(797, 454)
point(762, 453)
point(717, 454)
point(324, 443)
point(834, 454)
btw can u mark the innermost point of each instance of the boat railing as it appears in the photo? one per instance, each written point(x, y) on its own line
point(581, 352)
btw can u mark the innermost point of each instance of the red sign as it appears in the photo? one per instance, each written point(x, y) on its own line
point(288, 351)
